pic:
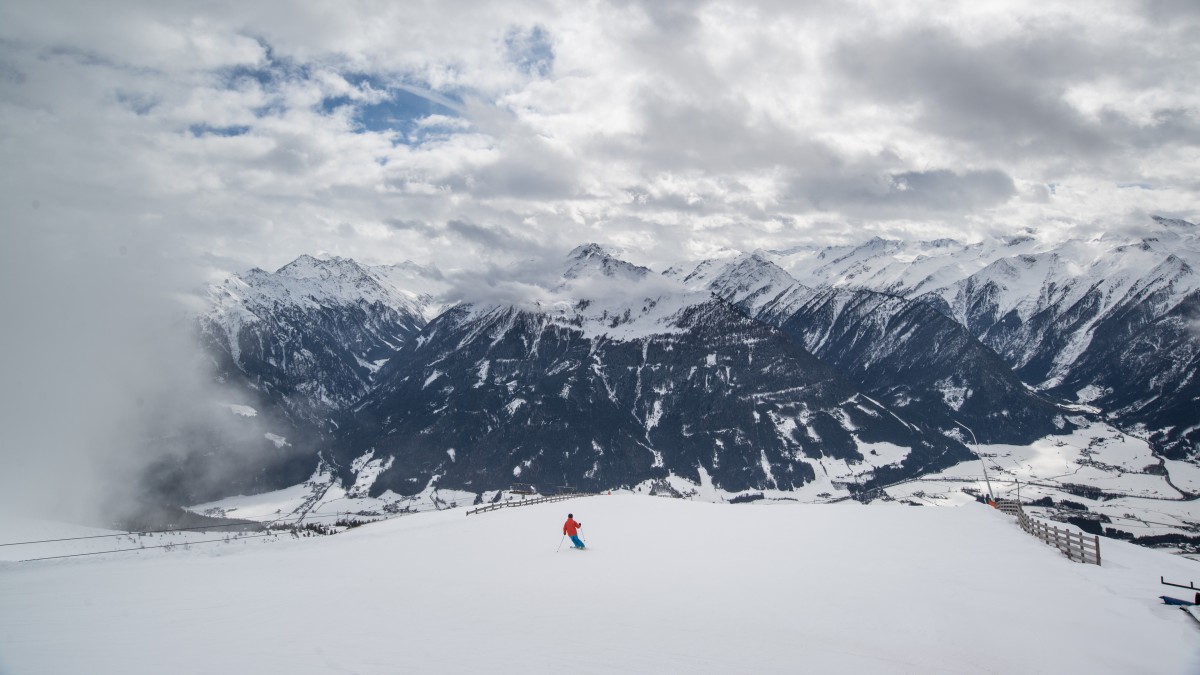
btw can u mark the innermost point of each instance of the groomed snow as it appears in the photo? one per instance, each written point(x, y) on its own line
point(667, 586)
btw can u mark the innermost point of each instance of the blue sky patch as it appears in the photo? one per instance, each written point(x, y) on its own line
point(399, 112)
point(275, 70)
point(392, 107)
point(530, 50)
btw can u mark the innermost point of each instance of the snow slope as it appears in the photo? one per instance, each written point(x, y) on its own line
point(667, 586)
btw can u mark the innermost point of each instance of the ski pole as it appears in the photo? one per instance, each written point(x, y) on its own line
point(560, 541)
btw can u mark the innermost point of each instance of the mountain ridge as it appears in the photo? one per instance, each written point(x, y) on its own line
point(939, 335)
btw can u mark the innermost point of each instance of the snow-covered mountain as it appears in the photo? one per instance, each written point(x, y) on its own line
point(844, 367)
point(313, 334)
point(625, 376)
point(901, 352)
point(1110, 321)
point(424, 285)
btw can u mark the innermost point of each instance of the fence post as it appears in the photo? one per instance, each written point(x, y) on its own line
point(1064, 539)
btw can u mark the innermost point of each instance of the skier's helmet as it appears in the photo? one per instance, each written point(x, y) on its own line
point(570, 515)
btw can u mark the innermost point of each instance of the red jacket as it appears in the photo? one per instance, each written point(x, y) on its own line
point(571, 528)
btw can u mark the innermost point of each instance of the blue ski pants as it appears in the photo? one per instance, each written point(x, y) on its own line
point(576, 541)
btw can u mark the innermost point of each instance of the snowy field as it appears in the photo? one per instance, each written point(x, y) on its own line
point(668, 586)
point(1138, 498)
point(322, 499)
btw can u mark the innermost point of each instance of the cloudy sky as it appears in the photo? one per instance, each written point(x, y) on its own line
point(239, 134)
point(149, 147)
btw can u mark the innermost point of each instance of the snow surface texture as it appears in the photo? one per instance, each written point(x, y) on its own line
point(666, 586)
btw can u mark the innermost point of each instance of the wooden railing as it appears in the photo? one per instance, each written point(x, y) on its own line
point(1009, 506)
point(526, 502)
point(1076, 546)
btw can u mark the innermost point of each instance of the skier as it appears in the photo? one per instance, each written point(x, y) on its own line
point(571, 529)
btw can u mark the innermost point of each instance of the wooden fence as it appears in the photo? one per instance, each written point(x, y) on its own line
point(1076, 546)
point(526, 502)
point(1009, 506)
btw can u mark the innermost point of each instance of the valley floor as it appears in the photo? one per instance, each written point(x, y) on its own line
point(666, 586)
point(1095, 473)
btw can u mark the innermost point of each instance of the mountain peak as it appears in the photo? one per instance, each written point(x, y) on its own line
point(590, 259)
point(309, 281)
point(302, 262)
point(307, 266)
point(594, 250)
point(1174, 223)
point(752, 280)
point(878, 243)
point(758, 266)
point(587, 250)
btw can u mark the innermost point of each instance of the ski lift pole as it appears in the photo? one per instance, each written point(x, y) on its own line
point(975, 442)
point(991, 495)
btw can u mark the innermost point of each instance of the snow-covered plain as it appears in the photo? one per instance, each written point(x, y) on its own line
point(1135, 500)
point(667, 585)
point(323, 499)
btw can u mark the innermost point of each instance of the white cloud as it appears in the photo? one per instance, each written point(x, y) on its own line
point(256, 132)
